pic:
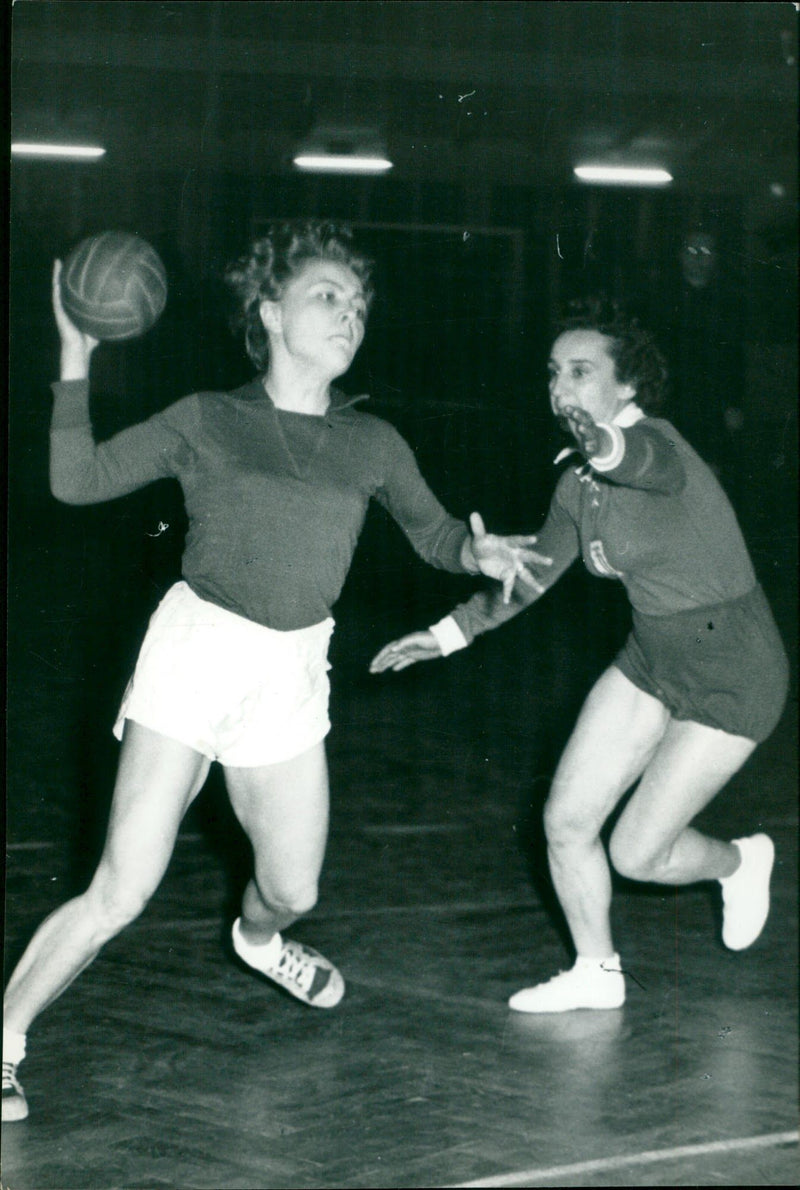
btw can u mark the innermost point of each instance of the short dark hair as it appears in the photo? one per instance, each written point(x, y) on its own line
point(638, 361)
point(274, 259)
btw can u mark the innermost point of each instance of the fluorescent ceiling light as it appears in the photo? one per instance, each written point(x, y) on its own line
point(40, 149)
point(342, 163)
point(623, 175)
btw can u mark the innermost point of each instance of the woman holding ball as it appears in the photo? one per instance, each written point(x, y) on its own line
point(276, 478)
point(701, 679)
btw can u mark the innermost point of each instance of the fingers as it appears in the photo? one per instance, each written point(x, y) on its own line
point(508, 585)
point(387, 660)
point(390, 656)
point(476, 524)
point(404, 663)
point(579, 416)
point(527, 578)
point(419, 646)
point(536, 559)
point(383, 659)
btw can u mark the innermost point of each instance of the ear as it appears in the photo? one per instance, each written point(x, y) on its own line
point(270, 316)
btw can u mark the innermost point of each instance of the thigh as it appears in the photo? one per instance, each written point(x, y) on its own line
point(616, 733)
point(689, 767)
point(157, 779)
point(283, 809)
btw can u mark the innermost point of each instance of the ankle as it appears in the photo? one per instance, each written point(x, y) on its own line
point(588, 963)
point(264, 944)
point(13, 1046)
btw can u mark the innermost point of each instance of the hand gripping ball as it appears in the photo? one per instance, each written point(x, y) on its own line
point(113, 286)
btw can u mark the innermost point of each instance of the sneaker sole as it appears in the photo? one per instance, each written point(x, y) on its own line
point(519, 1006)
point(769, 853)
point(13, 1112)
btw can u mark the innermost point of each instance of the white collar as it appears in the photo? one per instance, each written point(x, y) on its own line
point(628, 416)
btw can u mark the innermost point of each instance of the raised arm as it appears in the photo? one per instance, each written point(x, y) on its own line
point(637, 456)
point(81, 470)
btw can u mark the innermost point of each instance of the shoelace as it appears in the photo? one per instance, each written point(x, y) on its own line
point(295, 965)
point(10, 1081)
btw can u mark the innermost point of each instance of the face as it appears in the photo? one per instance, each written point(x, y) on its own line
point(698, 259)
point(319, 320)
point(583, 374)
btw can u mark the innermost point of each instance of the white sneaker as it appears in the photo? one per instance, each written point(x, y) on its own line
point(298, 969)
point(745, 894)
point(15, 1105)
point(586, 985)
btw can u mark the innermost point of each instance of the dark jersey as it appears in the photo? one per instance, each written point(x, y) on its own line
point(275, 500)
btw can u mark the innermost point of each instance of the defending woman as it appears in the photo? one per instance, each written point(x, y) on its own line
point(701, 679)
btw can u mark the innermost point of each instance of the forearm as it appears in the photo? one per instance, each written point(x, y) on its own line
point(483, 612)
point(487, 609)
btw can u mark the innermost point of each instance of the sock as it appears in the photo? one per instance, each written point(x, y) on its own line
point(587, 964)
point(724, 879)
point(13, 1046)
point(265, 950)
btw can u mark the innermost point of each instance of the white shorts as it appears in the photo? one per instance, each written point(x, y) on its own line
point(235, 691)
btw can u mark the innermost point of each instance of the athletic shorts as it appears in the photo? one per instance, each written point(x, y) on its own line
point(235, 691)
point(724, 666)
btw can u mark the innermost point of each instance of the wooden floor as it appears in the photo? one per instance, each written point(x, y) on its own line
point(168, 1065)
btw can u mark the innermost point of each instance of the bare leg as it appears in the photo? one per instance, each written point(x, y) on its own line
point(284, 811)
point(156, 781)
point(617, 732)
point(653, 839)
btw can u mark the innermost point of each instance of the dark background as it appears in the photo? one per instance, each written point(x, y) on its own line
point(479, 231)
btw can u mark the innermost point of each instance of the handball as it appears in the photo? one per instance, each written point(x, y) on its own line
point(113, 286)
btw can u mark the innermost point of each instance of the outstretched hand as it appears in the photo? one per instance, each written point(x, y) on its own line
point(591, 438)
point(506, 558)
point(417, 646)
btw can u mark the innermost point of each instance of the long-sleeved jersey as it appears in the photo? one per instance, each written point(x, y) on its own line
point(654, 517)
point(275, 500)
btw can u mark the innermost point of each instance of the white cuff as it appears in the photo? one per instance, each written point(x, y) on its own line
point(613, 457)
point(449, 636)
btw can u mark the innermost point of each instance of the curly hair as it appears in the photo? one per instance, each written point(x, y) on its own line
point(274, 259)
point(637, 358)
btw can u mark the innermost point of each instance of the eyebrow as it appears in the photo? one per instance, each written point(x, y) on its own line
point(575, 360)
point(359, 292)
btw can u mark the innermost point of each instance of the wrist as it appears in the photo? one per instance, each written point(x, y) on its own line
point(74, 363)
point(468, 559)
point(611, 449)
point(448, 636)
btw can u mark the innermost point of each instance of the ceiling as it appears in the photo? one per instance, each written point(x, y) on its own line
point(496, 92)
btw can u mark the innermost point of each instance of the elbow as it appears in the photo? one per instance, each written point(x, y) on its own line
point(65, 490)
point(671, 481)
point(674, 482)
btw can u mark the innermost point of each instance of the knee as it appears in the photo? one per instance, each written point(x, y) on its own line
point(566, 828)
point(114, 903)
point(635, 860)
point(296, 900)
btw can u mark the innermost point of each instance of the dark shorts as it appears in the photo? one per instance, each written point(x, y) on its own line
point(724, 666)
